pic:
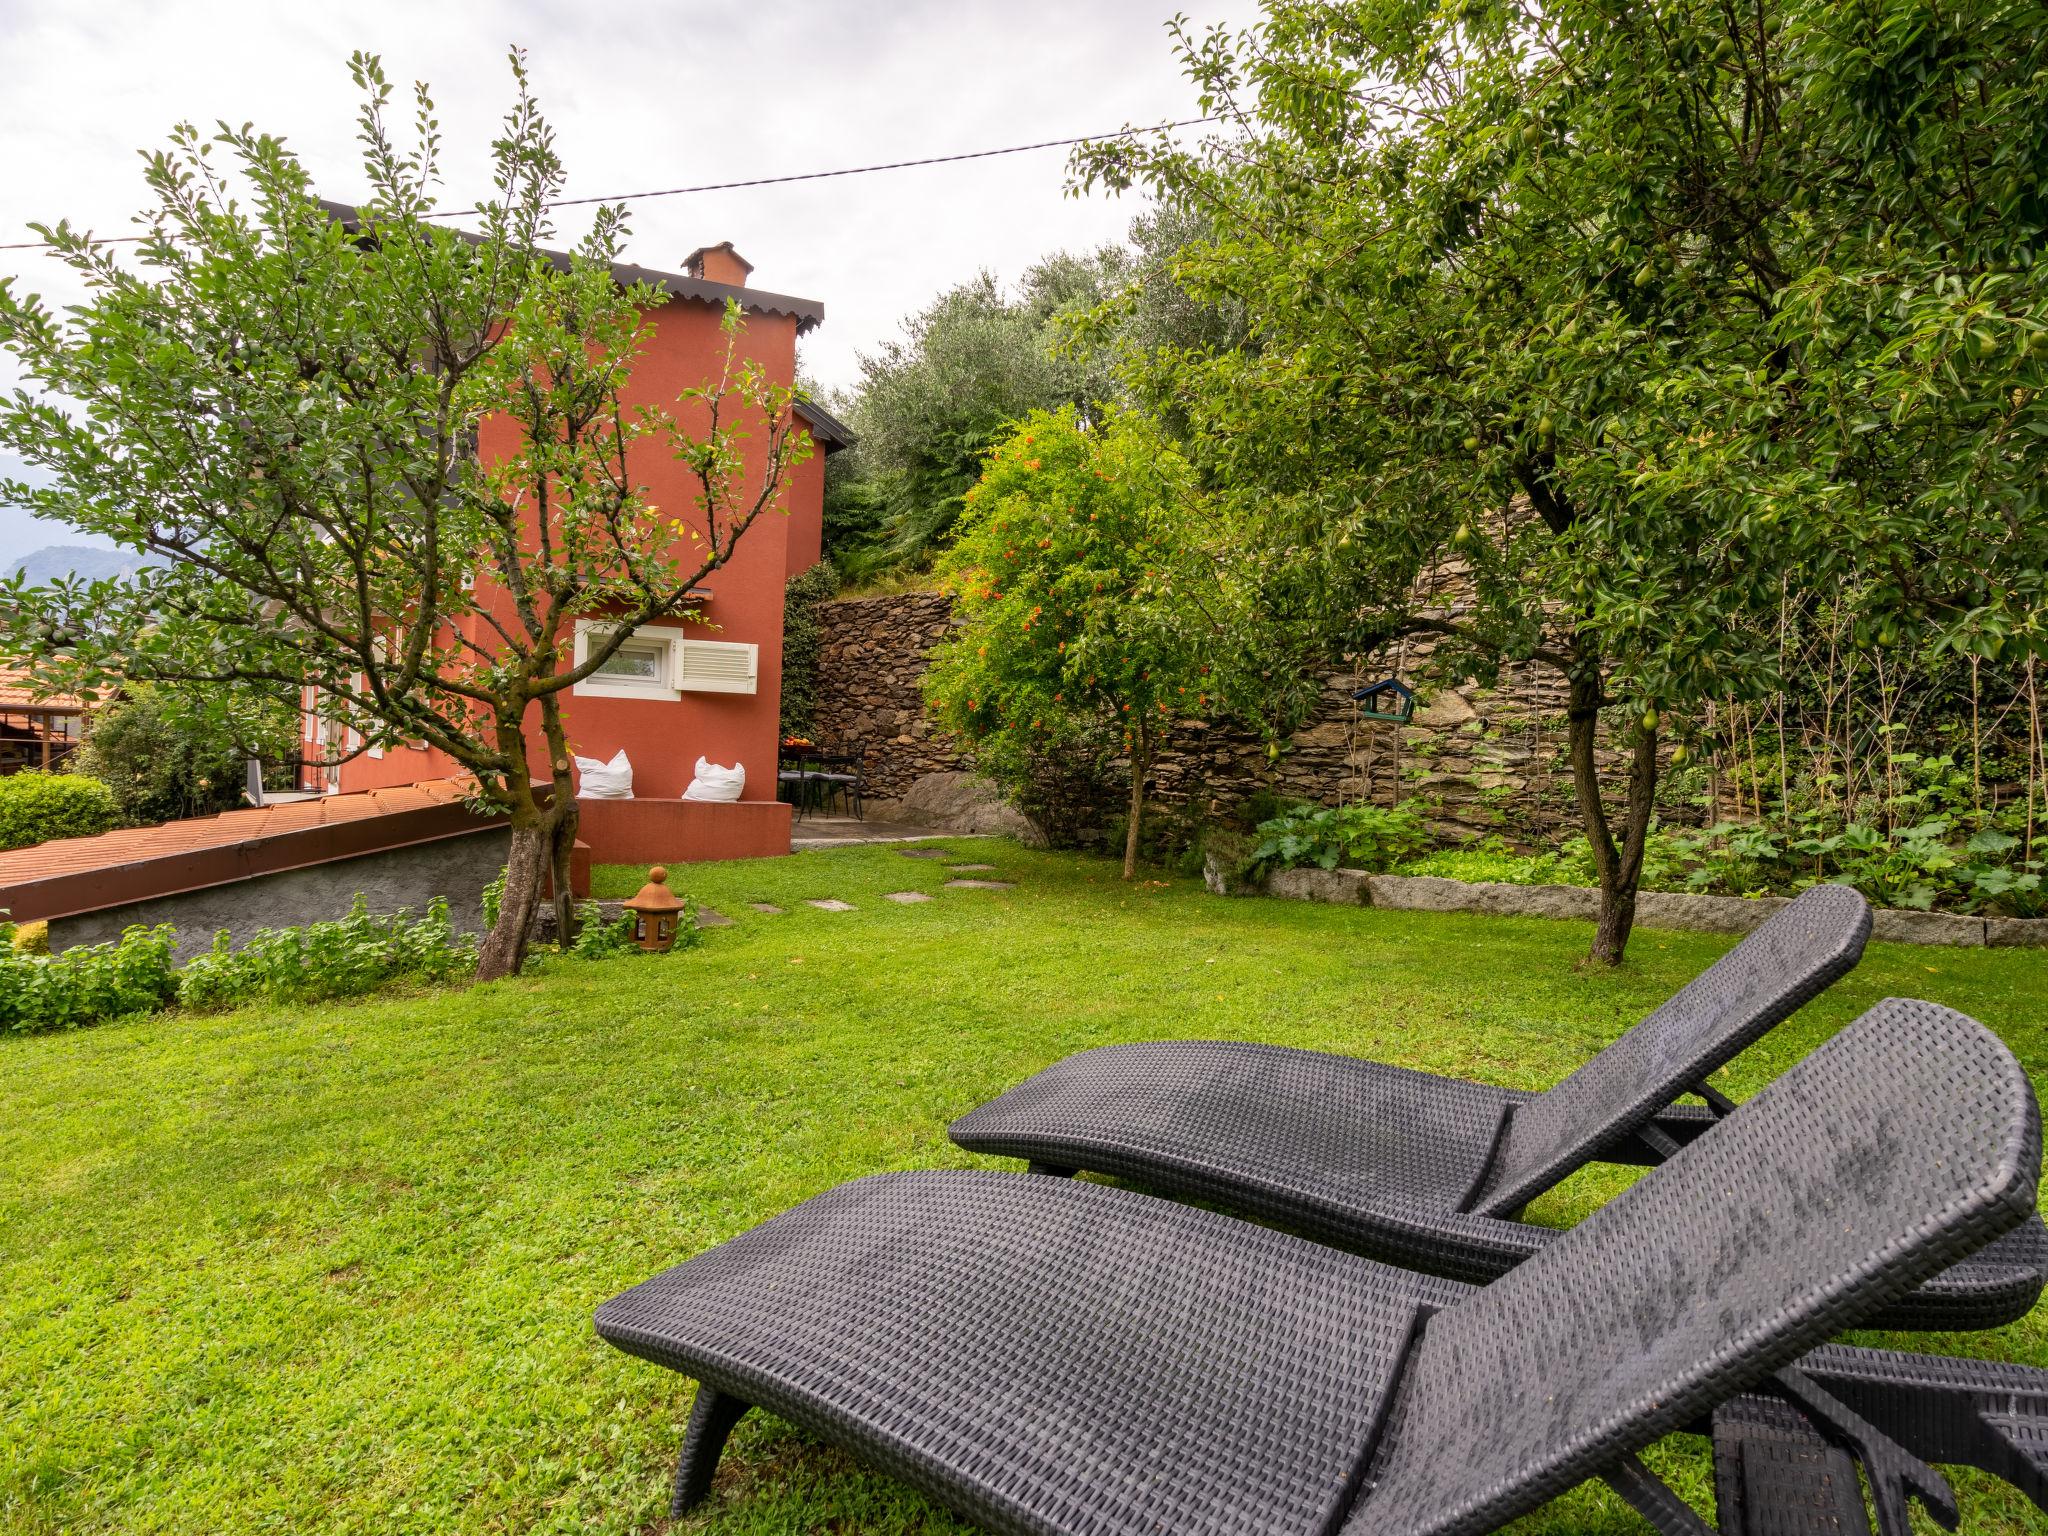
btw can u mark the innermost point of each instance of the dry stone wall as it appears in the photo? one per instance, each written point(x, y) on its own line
point(1484, 760)
point(871, 658)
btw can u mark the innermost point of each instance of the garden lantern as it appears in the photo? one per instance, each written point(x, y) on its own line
point(1388, 699)
point(655, 912)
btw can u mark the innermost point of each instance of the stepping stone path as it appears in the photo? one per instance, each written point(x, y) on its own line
point(766, 906)
point(711, 917)
point(926, 853)
point(833, 905)
point(906, 897)
point(961, 869)
point(981, 885)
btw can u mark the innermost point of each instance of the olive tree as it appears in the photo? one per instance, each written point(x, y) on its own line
point(287, 405)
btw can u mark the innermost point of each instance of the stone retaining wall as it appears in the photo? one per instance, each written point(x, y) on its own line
point(1484, 760)
point(871, 658)
point(388, 880)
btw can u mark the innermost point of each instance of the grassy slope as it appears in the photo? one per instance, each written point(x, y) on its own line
point(334, 1269)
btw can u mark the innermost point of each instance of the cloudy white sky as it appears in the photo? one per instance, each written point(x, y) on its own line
point(644, 97)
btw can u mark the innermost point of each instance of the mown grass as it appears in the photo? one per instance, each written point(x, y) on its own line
point(333, 1269)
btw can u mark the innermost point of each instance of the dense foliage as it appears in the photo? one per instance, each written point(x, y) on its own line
point(930, 405)
point(1078, 600)
point(1646, 319)
point(289, 408)
point(801, 639)
point(312, 962)
point(342, 958)
point(1357, 836)
point(163, 760)
point(36, 806)
point(88, 982)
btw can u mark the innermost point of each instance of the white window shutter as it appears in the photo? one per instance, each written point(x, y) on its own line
point(716, 666)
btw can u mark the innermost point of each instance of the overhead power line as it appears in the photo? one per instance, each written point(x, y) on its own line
point(758, 181)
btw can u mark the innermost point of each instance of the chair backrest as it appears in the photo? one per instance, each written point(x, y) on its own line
point(1909, 1140)
point(1796, 954)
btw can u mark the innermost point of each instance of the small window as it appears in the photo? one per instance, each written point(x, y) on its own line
point(644, 667)
point(638, 661)
point(658, 663)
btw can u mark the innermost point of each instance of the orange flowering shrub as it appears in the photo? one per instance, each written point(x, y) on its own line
point(1090, 632)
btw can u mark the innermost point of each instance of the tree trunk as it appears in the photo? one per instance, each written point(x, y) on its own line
point(568, 816)
point(1619, 868)
point(560, 850)
point(503, 950)
point(1138, 763)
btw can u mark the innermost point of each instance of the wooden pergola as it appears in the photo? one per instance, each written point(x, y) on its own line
point(37, 730)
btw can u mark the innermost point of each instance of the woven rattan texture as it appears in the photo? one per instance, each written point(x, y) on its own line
point(1049, 1356)
point(1776, 1475)
point(1797, 954)
point(1383, 1159)
point(1903, 1143)
point(1314, 1140)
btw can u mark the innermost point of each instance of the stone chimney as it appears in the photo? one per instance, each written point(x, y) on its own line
point(718, 264)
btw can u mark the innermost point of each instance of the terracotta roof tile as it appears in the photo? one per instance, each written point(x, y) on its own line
point(17, 690)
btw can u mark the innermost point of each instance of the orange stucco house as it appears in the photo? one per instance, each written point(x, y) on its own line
point(683, 690)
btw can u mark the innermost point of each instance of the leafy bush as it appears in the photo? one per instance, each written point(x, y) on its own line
point(88, 982)
point(494, 897)
point(1357, 836)
point(597, 939)
point(162, 761)
point(1491, 860)
point(36, 806)
point(1945, 856)
point(1931, 863)
point(342, 958)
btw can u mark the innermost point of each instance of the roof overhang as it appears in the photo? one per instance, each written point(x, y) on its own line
point(806, 312)
point(825, 427)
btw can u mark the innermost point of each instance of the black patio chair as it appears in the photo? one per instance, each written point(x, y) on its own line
point(1048, 1356)
point(795, 783)
point(1433, 1172)
point(838, 778)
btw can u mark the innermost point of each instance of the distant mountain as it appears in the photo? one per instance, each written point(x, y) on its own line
point(85, 560)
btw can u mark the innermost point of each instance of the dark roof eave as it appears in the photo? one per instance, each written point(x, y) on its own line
point(827, 428)
point(806, 312)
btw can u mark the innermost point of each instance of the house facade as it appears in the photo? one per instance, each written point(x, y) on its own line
point(705, 687)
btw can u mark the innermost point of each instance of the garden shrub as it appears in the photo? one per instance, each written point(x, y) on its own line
point(37, 806)
point(342, 958)
point(88, 982)
point(1934, 863)
point(162, 762)
point(1491, 860)
point(1357, 836)
point(494, 897)
point(597, 939)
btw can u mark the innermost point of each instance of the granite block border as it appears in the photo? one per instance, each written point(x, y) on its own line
point(1654, 909)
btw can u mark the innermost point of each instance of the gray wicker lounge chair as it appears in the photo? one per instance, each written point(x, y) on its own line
point(1048, 1356)
point(1432, 1172)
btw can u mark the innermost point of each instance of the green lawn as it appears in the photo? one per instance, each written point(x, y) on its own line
point(333, 1269)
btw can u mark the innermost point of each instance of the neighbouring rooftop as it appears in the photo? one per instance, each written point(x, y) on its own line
point(89, 874)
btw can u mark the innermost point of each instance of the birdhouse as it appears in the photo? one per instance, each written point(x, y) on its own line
point(1387, 699)
point(656, 911)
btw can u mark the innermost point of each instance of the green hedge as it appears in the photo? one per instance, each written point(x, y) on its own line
point(36, 806)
